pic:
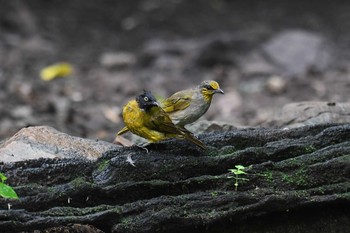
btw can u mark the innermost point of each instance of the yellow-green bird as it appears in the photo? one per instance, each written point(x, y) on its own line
point(144, 117)
point(187, 106)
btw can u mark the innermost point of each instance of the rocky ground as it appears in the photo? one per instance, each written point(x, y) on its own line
point(297, 181)
point(264, 55)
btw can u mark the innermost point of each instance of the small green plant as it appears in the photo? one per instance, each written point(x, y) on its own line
point(214, 194)
point(5, 190)
point(237, 173)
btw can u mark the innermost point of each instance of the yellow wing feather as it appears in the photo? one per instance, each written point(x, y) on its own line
point(123, 131)
point(178, 101)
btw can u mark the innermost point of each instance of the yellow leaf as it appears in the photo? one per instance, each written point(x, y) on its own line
point(55, 71)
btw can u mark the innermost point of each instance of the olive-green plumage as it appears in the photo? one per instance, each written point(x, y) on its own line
point(187, 106)
point(145, 118)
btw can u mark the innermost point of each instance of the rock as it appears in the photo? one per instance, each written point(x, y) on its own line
point(129, 23)
point(74, 228)
point(118, 59)
point(37, 45)
point(295, 178)
point(204, 126)
point(176, 46)
point(168, 62)
point(256, 64)
point(297, 51)
point(311, 113)
point(45, 142)
point(23, 111)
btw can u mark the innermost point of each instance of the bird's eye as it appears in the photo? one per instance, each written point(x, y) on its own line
point(209, 87)
point(145, 98)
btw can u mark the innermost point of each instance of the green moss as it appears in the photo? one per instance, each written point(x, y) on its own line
point(72, 211)
point(103, 164)
point(226, 150)
point(127, 223)
point(268, 175)
point(344, 195)
point(118, 210)
point(310, 149)
point(214, 193)
point(79, 181)
point(212, 153)
point(299, 178)
point(51, 190)
point(302, 193)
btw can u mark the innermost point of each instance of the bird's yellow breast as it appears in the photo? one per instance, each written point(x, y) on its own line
point(132, 115)
point(137, 119)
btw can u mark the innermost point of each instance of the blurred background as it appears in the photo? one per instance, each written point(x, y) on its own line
point(264, 54)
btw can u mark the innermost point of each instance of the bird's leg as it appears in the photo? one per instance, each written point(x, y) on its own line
point(143, 146)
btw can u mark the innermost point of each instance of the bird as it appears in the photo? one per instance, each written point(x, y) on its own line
point(144, 117)
point(187, 106)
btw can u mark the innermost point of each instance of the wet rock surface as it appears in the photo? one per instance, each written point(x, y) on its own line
point(298, 180)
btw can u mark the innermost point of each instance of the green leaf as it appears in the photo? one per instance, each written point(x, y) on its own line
point(240, 167)
point(7, 191)
point(239, 172)
point(2, 177)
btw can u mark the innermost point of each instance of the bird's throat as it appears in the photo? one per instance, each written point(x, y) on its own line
point(207, 96)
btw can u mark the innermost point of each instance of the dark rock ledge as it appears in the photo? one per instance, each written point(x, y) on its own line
point(299, 181)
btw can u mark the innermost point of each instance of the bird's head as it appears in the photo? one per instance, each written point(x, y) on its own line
point(146, 101)
point(209, 88)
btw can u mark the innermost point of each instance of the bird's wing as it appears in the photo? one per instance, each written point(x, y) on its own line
point(178, 101)
point(161, 122)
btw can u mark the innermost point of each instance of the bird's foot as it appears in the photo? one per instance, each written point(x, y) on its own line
point(143, 146)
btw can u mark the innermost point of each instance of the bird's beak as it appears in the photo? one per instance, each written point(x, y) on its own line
point(219, 91)
point(155, 103)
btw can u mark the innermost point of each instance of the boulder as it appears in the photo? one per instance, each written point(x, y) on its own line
point(310, 113)
point(45, 142)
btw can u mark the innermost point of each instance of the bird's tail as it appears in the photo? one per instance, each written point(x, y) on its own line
point(189, 136)
point(123, 130)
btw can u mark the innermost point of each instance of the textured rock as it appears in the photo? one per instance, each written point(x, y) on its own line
point(311, 113)
point(46, 142)
point(204, 126)
point(298, 181)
